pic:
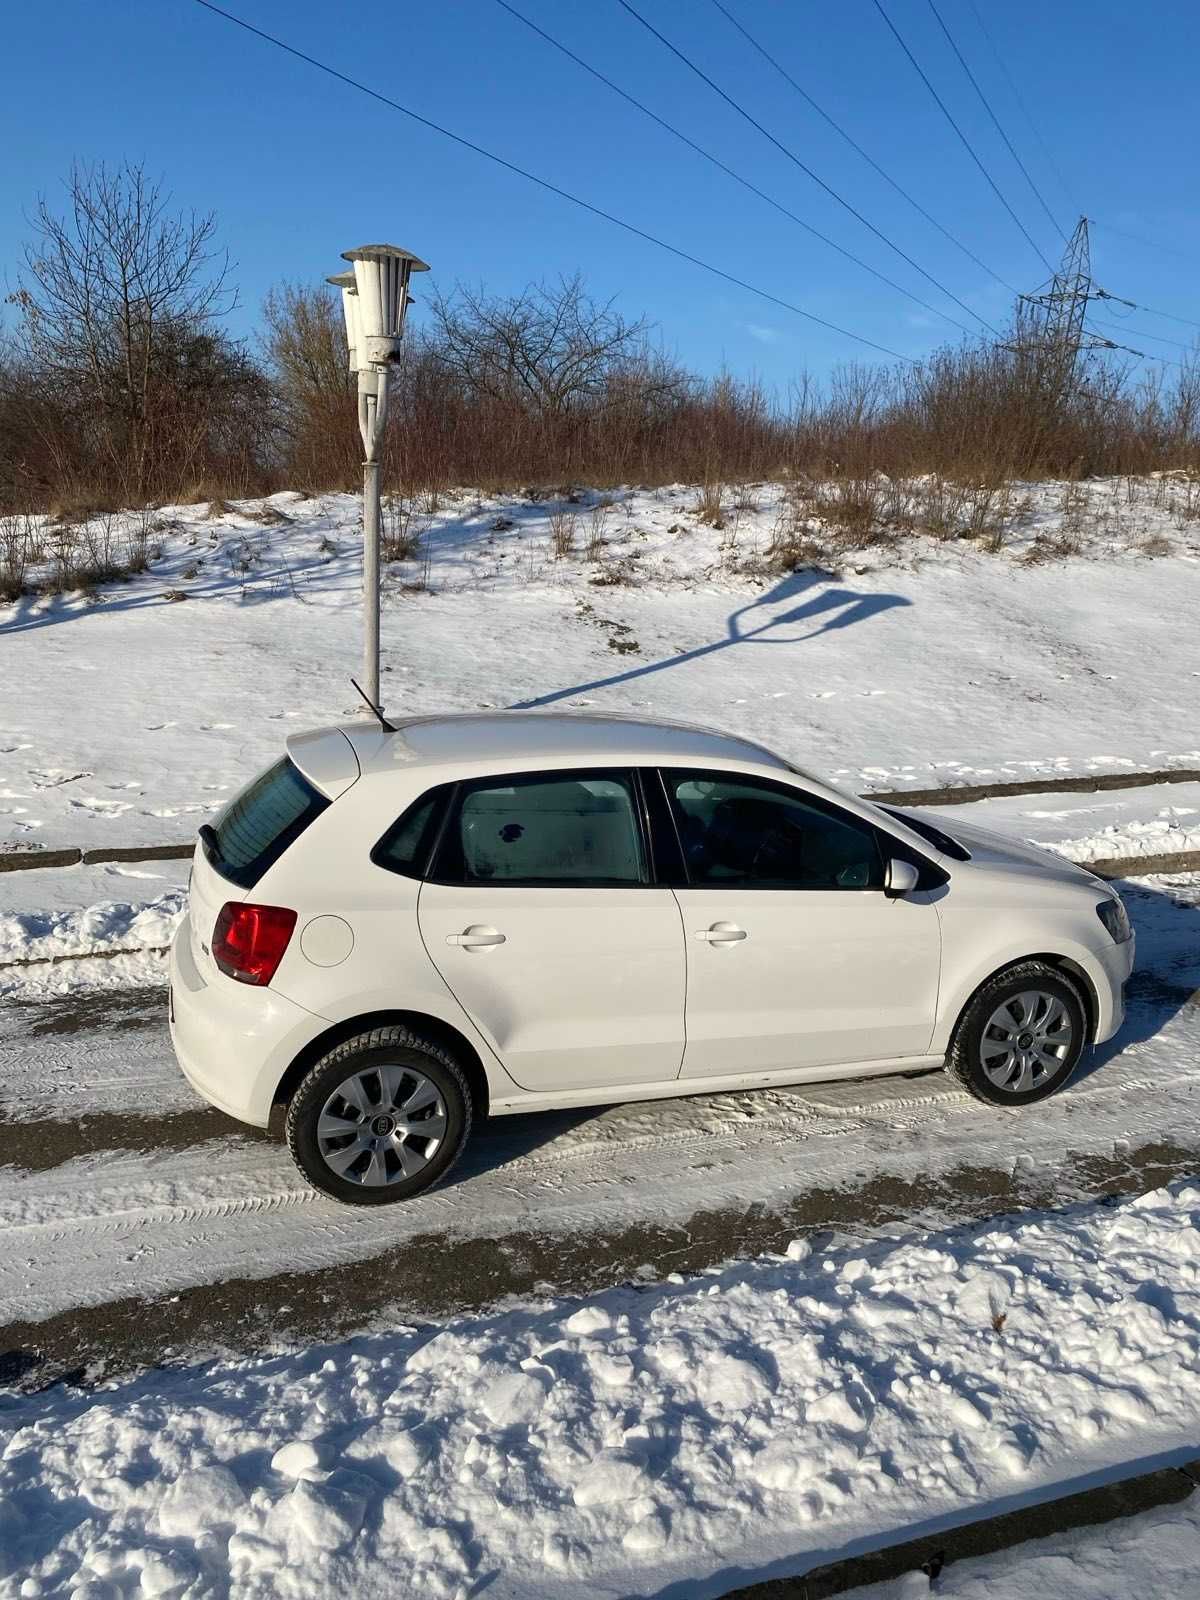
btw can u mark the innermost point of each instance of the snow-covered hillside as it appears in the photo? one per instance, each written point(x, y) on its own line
point(127, 715)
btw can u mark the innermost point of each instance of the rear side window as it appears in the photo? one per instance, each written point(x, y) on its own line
point(406, 846)
point(545, 830)
point(258, 826)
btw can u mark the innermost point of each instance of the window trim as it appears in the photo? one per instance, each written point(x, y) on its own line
point(629, 776)
point(802, 796)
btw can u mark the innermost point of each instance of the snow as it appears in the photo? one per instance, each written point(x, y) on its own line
point(127, 1222)
point(1156, 1553)
point(921, 663)
point(763, 1415)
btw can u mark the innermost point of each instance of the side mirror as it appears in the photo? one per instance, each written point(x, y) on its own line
point(900, 878)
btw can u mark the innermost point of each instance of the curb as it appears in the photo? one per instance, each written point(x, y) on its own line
point(964, 794)
point(29, 860)
point(1089, 1508)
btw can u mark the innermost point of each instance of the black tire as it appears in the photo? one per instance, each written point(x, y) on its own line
point(963, 1059)
point(381, 1047)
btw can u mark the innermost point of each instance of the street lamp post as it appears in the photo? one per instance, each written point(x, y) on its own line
point(374, 301)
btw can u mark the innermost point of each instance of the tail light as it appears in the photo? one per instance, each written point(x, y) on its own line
point(249, 941)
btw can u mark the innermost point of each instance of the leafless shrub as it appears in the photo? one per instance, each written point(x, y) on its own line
point(597, 518)
point(20, 549)
point(853, 508)
point(400, 540)
point(1155, 545)
point(562, 532)
point(710, 507)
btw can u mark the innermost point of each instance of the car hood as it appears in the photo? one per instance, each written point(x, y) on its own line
point(1002, 852)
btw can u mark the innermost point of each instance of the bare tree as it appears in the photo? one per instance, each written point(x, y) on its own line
point(113, 290)
point(549, 349)
point(305, 346)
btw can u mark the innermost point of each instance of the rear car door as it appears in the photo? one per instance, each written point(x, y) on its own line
point(542, 916)
point(796, 956)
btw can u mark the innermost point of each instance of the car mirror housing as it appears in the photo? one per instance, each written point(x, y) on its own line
point(900, 878)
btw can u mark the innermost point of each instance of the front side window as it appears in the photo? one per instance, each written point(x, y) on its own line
point(544, 829)
point(738, 831)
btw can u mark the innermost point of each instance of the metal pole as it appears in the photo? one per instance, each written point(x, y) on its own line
point(371, 579)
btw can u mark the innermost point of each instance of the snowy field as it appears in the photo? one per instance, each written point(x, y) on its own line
point(127, 716)
point(686, 1435)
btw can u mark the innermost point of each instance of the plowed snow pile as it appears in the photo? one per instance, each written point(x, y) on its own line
point(702, 1430)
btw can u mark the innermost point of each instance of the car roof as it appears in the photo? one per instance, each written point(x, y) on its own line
point(536, 737)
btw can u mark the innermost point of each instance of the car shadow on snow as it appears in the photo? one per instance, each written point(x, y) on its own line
point(756, 623)
point(1166, 974)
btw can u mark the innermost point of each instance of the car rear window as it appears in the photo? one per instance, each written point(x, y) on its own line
point(258, 826)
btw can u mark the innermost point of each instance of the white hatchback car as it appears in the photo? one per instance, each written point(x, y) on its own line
point(393, 932)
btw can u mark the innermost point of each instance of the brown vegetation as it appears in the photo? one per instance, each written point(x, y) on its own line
point(118, 387)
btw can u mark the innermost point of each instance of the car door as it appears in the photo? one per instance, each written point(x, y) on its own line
point(796, 956)
point(541, 914)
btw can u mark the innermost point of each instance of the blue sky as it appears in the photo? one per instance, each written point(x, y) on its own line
point(298, 166)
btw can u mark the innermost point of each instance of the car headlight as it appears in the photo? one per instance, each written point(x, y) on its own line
point(1113, 915)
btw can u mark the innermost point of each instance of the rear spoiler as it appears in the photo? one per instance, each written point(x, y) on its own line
point(327, 759)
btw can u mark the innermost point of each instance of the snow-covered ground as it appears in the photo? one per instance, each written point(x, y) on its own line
point(128, 716)
point(767, 1415)
point(680, 1437)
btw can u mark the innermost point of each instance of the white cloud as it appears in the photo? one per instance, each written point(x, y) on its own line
point(764, 335)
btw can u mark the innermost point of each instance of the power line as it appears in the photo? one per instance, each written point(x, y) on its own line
point(795, 159)
point(855, 146)
point(1136, 238)
point(1141, 333)
point(962, 136)
point(1025, 112)
point(1008, 145)
point(729, 171)
point(1107, 344)
point(1103, 294)
point(544, 183)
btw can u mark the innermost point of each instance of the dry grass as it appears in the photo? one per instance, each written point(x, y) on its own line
point(562, 532)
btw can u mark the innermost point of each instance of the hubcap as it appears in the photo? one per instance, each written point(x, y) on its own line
point(1026, 1041)
point(381, 1125)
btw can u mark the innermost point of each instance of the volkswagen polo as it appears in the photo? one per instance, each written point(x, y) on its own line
point(395, 931)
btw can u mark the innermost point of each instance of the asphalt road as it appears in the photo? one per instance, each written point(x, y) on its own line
point(138, 1226)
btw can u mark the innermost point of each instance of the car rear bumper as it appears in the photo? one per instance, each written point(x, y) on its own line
point(233, 1042)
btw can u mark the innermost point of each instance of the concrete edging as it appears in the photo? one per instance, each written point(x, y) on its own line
point(930, 1554)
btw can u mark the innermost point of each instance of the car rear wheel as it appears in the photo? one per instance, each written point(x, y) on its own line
point(381, 1118)
point(1021, 1036)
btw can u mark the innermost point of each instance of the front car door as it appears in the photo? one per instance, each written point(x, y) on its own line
point(796, 956)
point(541, 914)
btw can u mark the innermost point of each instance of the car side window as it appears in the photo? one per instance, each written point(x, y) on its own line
point(543, 830)
point(741, 832)
point(406, 846)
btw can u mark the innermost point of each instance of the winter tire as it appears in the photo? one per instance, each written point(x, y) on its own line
point(381, 1118)
point(1021, 1036)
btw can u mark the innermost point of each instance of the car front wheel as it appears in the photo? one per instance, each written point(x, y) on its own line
point(381, 1118)
point(1021, 1036)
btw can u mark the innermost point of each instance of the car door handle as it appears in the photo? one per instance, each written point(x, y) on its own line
point(475, 938)
point(721, 933)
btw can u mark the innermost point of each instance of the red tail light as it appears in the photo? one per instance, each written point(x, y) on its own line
point(249, 941)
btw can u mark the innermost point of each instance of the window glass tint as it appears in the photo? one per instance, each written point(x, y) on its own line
point(405, 847)
point(736, 831)
point(570, 828)
point(258, 826)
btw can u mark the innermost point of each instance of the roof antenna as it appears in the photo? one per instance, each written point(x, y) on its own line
point(388, 727)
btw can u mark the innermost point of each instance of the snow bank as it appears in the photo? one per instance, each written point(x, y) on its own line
point(689, 1430)
point(114, 925)
point(1157, 1553)
point(1173, 830)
